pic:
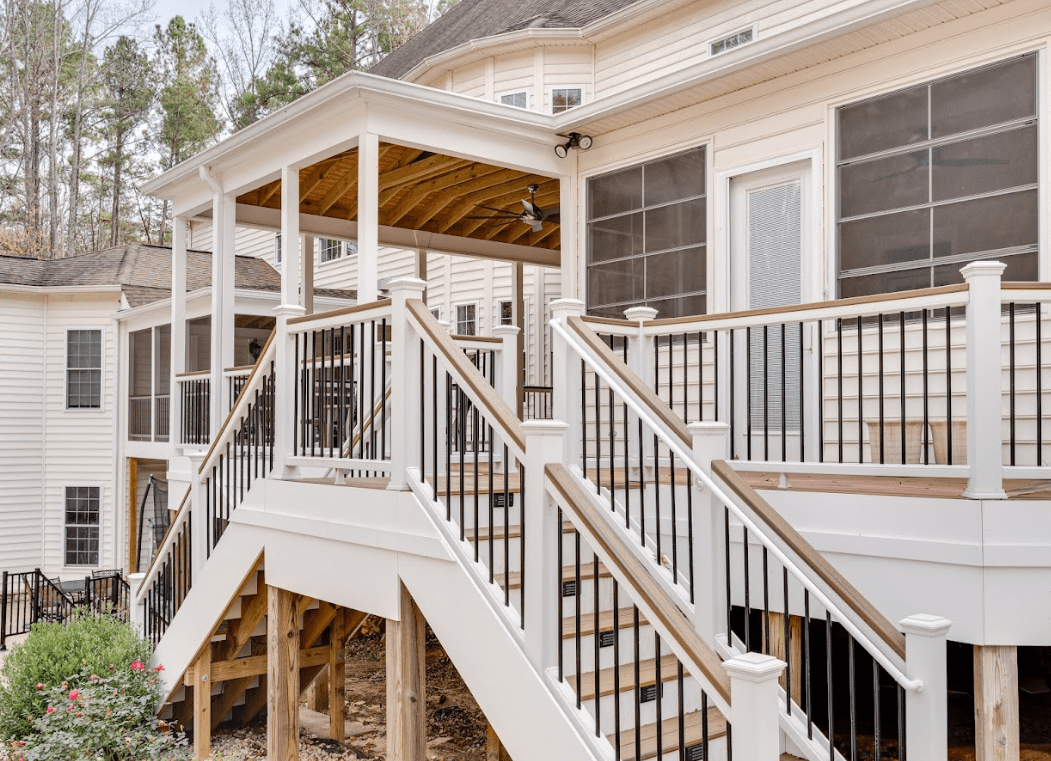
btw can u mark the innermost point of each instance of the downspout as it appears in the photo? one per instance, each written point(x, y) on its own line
point(43, 441)
point(119, 439)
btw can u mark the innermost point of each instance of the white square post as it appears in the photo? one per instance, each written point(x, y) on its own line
point(565, 379)
point(199, 514)
point(507, 366)
point(640, 361)
point(368, 217)
point(756, 732)
point(711, 442)
point(178, 332)
point(291, 306)
point(543, 629)
point(224, 229)
point(926, 711)
point(406, 382)
point(138, 609)
point(984, 368)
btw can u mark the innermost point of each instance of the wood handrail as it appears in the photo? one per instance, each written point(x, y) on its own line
point(856, 301)
point(1021, 285)
point(340, 312)
point(477, 339)
point(575, 503)
point(195, 374)
point(236, 407)
point(483, 394)
point(613, 321)
point(798, 544)
point(648, 396)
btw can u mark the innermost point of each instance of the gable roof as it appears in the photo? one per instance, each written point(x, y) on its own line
point(143, 272)
point(476, 19)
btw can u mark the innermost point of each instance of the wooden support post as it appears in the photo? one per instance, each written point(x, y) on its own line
point(406, 684)
point(996, 727)
point(202, 704)
point(776, 622)
point(337, 677)
point(133, 514)
point(282, 641)
point(494, 749)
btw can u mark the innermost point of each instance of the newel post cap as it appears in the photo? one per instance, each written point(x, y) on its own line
point(924, 625)
point(505, 330)
point(754, 667)
point(640, 314)
point(289, 310)
point(983, 269)
point(562, 308)
point(409, 285)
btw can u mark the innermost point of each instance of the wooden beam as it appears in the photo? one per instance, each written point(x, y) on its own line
point(282, 635)
point(319, 173)
point(497, 196)
point(316, 621)
point(344, 185)
point(255, 665)
point(406, 684)
point(234, 689)
point(445, 183)
point(996, 723)
point(337, 678)
point(133, 514)
point(202, 704)
point(430, 211)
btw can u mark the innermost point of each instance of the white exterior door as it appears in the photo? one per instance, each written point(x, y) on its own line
point(767, 234)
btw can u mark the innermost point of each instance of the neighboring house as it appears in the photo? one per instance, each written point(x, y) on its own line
point(84, 395)
point(835, 422)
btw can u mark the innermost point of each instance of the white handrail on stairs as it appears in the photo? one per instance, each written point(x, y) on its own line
point(670, 441)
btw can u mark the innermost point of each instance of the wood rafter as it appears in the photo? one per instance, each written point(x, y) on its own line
point(319, 173)
point(445, 184)
point(495, 195)
point(508, 201)
point(432, 209)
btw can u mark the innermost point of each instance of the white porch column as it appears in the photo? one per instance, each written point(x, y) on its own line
point(178, 327)
point(711, 441)
point(518, 313)
point(753, 694)
point(926, 712)
point(224, 220)
point(507, 368)
point(368, 217)
point(307, 276)
point(984, 368)
point(544, 444)
point(567, 230)
point(565, 379)
point(405, 381)
point(291, 306)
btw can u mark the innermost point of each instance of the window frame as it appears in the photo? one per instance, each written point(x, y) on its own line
point(102, 370)
point(519, 91)
point(101, 487)
point(500, 312)
point(456, 317)
point(278, 251)
point(551, 97)
point(347, 248)
point(935, 74)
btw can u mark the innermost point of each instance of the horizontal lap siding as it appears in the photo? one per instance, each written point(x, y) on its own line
point(513, 72)
point(470, 80)
point(80, 446)
point(21, 432)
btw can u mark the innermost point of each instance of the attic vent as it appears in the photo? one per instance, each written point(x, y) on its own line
point(735, 40)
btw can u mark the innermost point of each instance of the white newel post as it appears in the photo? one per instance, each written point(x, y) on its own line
point(284, 386)
point(507, 367)
point(984, 368)
point(926, 712)
point(198, 513)
point(138, 609)
point(545, 441)
point(565, 378)
point(405, 381)
point(711, 441)
point(753, 695)
point(640, 361)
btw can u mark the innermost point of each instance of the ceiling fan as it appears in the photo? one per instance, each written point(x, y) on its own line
point(531, 214)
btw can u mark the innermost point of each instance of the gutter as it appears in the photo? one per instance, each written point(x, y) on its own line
point(59, 289)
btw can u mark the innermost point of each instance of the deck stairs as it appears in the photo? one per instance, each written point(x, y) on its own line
point(609, 593)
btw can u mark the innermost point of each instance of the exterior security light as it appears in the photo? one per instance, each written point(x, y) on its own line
point(576, 140)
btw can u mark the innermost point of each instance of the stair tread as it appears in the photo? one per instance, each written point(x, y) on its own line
point(605, 622)
point(587, 572)
point(514, 532)
point(693, 732)
point(647, 676)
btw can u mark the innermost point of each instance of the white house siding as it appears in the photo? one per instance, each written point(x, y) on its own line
point(21, 430)
point(80, 444)
point(513, 72)
point(470, 80)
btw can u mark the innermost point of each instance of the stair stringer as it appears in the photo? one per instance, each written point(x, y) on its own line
point(231, 563)
point(528, 713)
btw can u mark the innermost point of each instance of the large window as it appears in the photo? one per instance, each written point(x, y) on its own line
point(466, 320)
point(565, 98)
point(939, 175)
point(82, 525)
point(647, 228)
point(84, 369)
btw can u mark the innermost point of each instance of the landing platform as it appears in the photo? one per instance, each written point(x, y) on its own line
point(889, 486)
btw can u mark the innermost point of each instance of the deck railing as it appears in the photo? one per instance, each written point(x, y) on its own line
point(148, 418)
point(194, 390)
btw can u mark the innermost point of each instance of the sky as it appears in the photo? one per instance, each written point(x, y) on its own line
point(192, 9)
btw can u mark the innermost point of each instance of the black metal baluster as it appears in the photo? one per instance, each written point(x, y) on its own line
point(595, 648)
point(747, 592)
point(788, 643)
point(616, 670)
point(853, 701)
point(766, 602)
point(901, 361)
point(948, 380)
point(806, 665)
point(507, 523)
point(726, 556)
point(882, 428)
point(576, 602)
point(658, 688)
point(748, 386)
point(638, 688)
point(1011, 376)
point(876, 710)
point(730, 387)
point(560, 551)
point(828, 675)
point(861, 400)
point(839, 378)
point(926, 414)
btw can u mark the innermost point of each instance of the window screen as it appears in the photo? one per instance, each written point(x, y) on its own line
point(516, 99)
point(84, 369)
point(331, 249)
point(938, 175)
point(647, 235)
point(82, 525)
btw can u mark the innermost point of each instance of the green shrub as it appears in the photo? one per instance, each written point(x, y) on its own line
point(53, 653)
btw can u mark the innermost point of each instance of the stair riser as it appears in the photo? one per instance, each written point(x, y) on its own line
point(716, 752)
point(587, 649)
point(647, 711)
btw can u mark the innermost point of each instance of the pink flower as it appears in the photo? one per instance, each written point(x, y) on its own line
point(39, 686)
point(158, 667)
point(110, 667)
point(93, 678)
point(50, 709)
point(137, 666)
point(69, 708)
point(74, 694)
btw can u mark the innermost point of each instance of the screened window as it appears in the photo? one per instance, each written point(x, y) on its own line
point(506, 313)
point(517, 99)
point(565, 98)
point(331, 249)
point(277, 248)
point(82, 525)
point(84, 369)
point(938, 175)
point(647, 230)
point(466, 321)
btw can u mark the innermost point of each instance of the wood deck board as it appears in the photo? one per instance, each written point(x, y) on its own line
point(605, 622)
point(568, 574)
point(693, 732)
point(647, 676)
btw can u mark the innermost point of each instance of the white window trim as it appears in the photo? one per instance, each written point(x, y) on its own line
point(102, 522)
point(278, 251)
point(456, 319)
point(551, 96)
point(102, 372)
point(342, 251)
point(435, 309)
point(520, 90)
point(498, 312)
